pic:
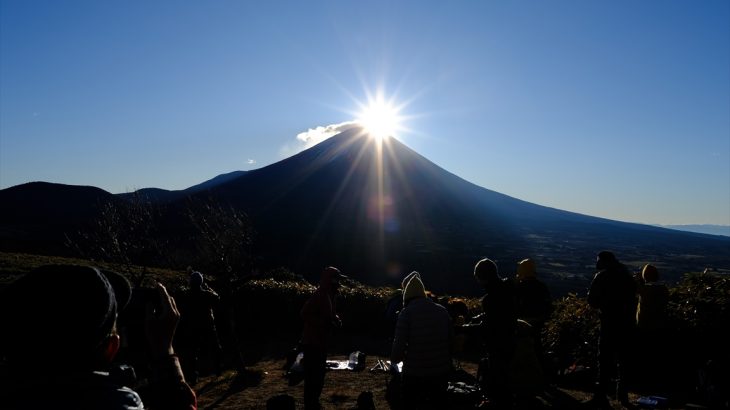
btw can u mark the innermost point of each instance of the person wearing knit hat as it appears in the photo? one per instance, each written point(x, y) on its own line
point(526, 269)
point(498, 321)
point(532, 296)
point(652, 322)
point(422, 341)
point(59, 338)
point(533, 301)
point(408, 278)
point(196, 280)
point(651, 313)
point(413, 288)
point(649, 273)
point(613, 293)
point(485, 272)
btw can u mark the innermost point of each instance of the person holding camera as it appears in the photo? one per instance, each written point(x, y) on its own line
point(59, 339)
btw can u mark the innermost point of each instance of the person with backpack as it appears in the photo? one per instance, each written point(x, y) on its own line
point(423, 337)
point(613, 293)
point(59, 339)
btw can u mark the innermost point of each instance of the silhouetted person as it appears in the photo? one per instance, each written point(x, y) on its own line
point(59, 338)
point(320, 318)
point(198, 320)
point(533, 301)
point(498, 324)
point(651, 313)
point(392, 310)
point(423, 343)
point(651, 322)
point(613, 292)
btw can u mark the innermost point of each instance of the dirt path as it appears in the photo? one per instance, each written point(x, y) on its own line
point(266, 379)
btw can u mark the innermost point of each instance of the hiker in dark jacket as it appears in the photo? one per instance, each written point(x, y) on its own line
point(613, 292)
point(498, 323)
point(651, 312)
point(533, 302)
point(59, 338)
point(652, 323)
point(422, 342)
point(320, 318)
point(198, 323)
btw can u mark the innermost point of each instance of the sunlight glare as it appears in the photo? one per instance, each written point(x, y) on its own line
point(380, 119)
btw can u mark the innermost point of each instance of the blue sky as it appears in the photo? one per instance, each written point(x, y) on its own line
point(617, 109)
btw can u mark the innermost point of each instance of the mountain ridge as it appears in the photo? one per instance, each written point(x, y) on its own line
point(379, 210)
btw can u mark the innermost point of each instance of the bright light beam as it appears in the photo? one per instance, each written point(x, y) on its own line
point(380, 118)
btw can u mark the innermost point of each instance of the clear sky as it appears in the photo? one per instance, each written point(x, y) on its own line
point(619, 109)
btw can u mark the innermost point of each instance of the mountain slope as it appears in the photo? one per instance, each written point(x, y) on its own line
point(377, 211)
point(382, 212)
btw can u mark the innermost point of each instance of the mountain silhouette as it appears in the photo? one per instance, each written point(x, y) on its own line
point(379, 210)
point(37, 216)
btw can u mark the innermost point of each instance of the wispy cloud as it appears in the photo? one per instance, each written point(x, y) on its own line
point(314, 136)
point(251, 161)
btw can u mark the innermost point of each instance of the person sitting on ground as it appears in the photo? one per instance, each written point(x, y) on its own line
point(422, 342)
point(59, 338)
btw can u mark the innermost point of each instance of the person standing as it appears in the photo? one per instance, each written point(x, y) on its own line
point(320, 318)
point(652, 322)
point(422, 342)
point(198, 323)
point(498, 324)
point(613, 293)
point(533, 301)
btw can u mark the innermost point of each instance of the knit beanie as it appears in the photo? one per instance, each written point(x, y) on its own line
point(414, 289)
point(485, 271)
point(649, 273)
point(526, 269)
point(408, 277)
point(76, 305)
point(196, 279)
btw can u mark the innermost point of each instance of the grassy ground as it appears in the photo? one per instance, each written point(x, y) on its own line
point(266, 379)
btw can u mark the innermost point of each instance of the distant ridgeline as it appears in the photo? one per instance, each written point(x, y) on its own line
point(376, 216)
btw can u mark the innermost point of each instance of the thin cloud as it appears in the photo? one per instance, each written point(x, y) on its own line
point(251, 161)
point(314, 136)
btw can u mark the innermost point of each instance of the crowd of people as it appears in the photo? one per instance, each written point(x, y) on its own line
point(632, 311)
point(61, 333)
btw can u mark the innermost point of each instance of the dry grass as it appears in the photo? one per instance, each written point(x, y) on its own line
point(342, 387)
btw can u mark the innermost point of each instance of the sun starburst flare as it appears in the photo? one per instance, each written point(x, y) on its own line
point(380, 118)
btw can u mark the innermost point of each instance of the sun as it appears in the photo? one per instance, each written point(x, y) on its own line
point(380, 118)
